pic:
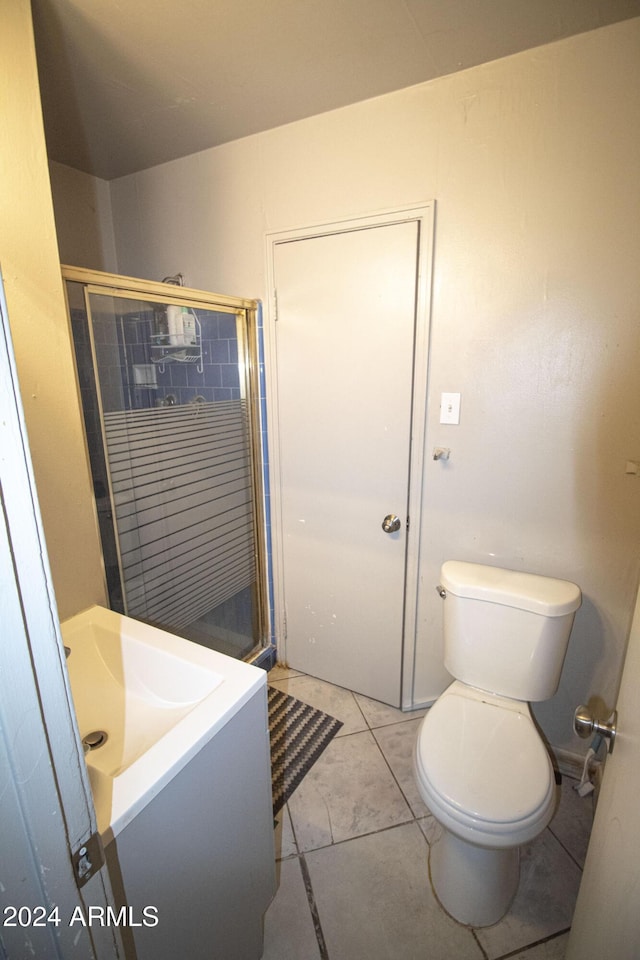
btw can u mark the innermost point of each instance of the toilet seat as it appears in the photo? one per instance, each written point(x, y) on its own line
point(483, 769)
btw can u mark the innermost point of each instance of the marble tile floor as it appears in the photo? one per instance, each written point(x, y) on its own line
point(352, 849)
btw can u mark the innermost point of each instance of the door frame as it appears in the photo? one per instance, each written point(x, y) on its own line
point(424, 214)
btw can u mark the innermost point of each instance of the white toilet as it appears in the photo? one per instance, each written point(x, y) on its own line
point(480, 762)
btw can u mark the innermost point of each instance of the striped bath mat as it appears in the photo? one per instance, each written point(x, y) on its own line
point(298, 733)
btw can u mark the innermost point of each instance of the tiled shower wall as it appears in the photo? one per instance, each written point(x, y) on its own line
point(181, 382)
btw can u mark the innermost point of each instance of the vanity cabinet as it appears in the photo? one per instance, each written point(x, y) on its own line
point(195, 868)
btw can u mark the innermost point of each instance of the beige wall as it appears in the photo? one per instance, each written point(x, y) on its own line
point(82, 208)
point(37, 315)
point(533, 161)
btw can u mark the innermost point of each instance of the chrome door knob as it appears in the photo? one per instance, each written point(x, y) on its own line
point(585, 724)
point(391, 523)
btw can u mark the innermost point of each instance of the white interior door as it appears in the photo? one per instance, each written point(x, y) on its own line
point(606, 922)
point(345, 355)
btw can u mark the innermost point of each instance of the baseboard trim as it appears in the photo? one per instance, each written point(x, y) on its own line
point(569, 764)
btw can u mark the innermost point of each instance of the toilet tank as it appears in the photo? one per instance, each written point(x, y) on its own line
point(505, 631)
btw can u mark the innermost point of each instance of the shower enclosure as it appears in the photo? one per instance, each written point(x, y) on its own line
point(168, 379)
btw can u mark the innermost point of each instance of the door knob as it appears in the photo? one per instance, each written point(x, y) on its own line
point(585, 724)
point(391, 523)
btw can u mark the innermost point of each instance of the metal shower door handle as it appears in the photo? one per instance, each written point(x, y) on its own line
point(391, 523)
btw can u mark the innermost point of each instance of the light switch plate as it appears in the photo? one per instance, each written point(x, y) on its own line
point(450, 408)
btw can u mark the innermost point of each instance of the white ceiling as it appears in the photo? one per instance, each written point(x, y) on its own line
point(127, 84)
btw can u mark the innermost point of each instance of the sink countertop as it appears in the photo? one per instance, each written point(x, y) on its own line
point(159, 697)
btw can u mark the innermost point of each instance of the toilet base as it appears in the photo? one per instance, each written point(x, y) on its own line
point(475, 885)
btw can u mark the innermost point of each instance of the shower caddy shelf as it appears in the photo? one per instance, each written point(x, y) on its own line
point(162, 353)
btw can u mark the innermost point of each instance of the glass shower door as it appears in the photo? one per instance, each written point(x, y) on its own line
point(170, 441)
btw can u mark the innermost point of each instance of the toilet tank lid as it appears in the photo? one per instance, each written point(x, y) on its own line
point(528, 591)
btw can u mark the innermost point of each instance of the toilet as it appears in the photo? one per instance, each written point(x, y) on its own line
point(480, 763)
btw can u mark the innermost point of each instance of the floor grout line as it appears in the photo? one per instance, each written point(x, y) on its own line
point(398, 784)
point(315, 916)
point(565, 848)
point(360, 836)
point(531, 946)
point(482, 950)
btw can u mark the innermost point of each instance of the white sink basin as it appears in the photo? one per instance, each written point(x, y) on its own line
point(159, 698)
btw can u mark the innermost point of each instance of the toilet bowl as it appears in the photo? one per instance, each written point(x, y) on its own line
point(480, 763)
point(466, 743)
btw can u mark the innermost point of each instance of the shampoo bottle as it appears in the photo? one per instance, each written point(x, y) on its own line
point(174, 322)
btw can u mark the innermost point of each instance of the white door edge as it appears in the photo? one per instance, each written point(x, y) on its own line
point(606, 921)
point(424, 214)
point(48, 806)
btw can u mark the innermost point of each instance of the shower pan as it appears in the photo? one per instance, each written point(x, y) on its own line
point(168, 382)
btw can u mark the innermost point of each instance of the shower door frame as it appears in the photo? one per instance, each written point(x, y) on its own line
point(108, 284)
